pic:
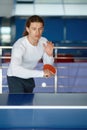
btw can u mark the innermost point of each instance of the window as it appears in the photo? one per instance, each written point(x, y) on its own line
point(5, 34)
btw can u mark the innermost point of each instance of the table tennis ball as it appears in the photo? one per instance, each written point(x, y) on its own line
point(43, 84)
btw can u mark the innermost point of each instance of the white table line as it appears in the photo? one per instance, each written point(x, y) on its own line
point(43, 107)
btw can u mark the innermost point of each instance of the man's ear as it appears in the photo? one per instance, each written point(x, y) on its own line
point(27, 29)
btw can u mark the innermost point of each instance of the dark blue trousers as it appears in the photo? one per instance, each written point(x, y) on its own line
point(19, 85)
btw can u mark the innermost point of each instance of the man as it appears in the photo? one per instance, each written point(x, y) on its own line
point(26, 53)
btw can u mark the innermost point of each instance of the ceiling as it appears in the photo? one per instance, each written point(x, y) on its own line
point(10, 8)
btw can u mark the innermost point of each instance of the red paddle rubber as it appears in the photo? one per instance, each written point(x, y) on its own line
point(50, 68)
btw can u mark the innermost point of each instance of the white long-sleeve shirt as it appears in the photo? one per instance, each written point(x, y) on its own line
point(25, 57)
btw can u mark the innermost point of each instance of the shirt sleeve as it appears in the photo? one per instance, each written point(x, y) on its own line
point(48, 59)
point(16, 69)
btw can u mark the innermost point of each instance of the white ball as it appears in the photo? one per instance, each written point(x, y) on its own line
point(43, 84)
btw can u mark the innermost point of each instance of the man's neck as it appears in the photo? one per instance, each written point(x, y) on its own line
point(33, 42)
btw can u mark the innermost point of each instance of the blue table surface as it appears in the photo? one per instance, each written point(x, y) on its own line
point(43, 118)
point(44, 99)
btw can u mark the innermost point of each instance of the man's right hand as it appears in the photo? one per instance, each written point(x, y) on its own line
point(47, 73)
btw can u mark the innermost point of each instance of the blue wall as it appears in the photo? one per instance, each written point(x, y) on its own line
point(20, 25)
point(59, 30)
point(76, 28)
point(53, 30)
point(0, 27)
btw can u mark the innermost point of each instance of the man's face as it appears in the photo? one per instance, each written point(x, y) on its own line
point(35, 30)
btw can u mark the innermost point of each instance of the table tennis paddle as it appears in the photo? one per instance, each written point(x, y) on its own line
point(50, 68)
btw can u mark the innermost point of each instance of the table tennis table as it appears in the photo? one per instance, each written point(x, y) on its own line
point(43, 111)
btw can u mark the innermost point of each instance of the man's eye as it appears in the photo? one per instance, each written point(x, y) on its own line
point(34, 28)
point(41, 29)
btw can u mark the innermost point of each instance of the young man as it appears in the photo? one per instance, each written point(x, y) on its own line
point(26, 53)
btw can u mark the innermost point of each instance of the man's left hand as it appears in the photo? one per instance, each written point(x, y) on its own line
point(48, 48)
